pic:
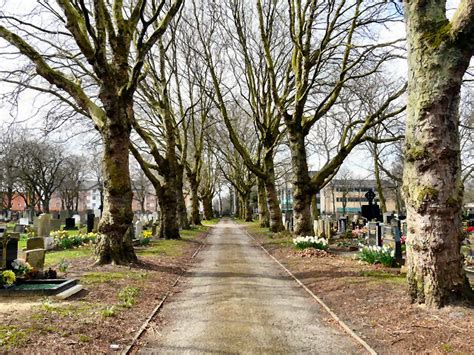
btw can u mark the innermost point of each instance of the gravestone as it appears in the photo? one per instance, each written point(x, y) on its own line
point(19, 228)
point(83, 217)
point(63, 215)
point(90, 222)
point(371, 211)
point(397, 233)
point(342, 225)
point(35, 258)
point(388, 236)
point(77, 220)
point(70, 224)
point(35, 243)
point(24, 221)
point(55, 224)
point(8, 249)
point(327, 228)
point(372, 233)
point(138, 229)
point(44, 227)
point(96, 224)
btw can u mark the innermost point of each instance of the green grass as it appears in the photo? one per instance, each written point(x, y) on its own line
point(11, 336)
point(211, 222)
point(55, 257)
point(383, 276)
point(104, 276)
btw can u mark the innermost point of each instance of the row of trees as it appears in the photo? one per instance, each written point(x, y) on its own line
point(221, 88)
point(35, 170)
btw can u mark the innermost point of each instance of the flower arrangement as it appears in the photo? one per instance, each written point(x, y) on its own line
point(377, 255)
point(359, 232)
point(310, 242)
point(470, 230)
point(7, 278)
point(147, 234)
point(21, 267)
point(403, 239)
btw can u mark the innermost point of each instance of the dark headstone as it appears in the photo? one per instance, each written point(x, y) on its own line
point(70, 224)
point(90, 222)
point(10, 241)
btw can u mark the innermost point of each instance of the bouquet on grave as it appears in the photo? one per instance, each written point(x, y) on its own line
point(21, 267)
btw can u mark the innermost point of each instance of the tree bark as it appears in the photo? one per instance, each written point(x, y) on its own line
point(302, 223)
point(195, 218)
point(432, 175)
point(114, 243)
point(378, 180)
point(169, 228)
point(262, 205)
point(182, 212)
point(207, 205)
point(247, 213)
point(276, 221)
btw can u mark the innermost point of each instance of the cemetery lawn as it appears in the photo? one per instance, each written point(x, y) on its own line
point(372, 300)
point(113, 306)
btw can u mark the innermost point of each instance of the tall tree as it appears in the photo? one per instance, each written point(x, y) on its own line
point(439, 52)
point(93, 52)
point(333, 57)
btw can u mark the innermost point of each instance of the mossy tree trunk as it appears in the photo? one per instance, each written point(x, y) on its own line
point(439, 52)
point(195, 218)
point(302, 220)
point(207, 206)
point(182, 212)
point(114, 243)
point(262, 205)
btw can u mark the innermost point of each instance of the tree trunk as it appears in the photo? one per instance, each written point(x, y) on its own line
point(432, 176)
point(276, 221)
point(314, 207)
point(46, 205)
point(169, 228)
point(302, 224)
point(195, 218)
point(207, 205)
point(248, 207)
point(237, 204)
point(262, 205)
point(378, 180)
point(114, 243)
point(182, 212)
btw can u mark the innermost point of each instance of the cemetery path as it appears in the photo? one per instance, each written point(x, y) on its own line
point(238, 300)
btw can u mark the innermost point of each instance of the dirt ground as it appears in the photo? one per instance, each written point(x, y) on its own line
point(373, 301)
point(97, 320)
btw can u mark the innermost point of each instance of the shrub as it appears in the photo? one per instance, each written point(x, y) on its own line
point(377, 255)
point(310, 242)
point(7, 278)
point(145, 241)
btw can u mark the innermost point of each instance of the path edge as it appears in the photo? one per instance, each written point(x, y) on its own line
point(320, 301)
point(155, 310)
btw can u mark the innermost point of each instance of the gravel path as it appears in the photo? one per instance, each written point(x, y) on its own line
point(237, 300)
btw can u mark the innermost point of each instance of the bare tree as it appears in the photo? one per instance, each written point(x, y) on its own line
point(74, 170)
point(93, 54)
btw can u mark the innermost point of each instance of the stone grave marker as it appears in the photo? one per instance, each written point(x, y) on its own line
point(388, 236)
point(138, 229)
point(327, 228)
point(24, 221)
point(342, 225)
point(372, 233)
point(35, 243)
point(90, 222)
point(8, 248)
point(83, 217)
point(96, 224)
point(70, 224)
point(77, 219)
point(19, 228)
point(35, 258)
point(44, 227)
point(55, 224)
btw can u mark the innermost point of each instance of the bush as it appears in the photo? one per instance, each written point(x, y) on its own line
point(310, 242)
point(7, 278)
point(377, 255)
